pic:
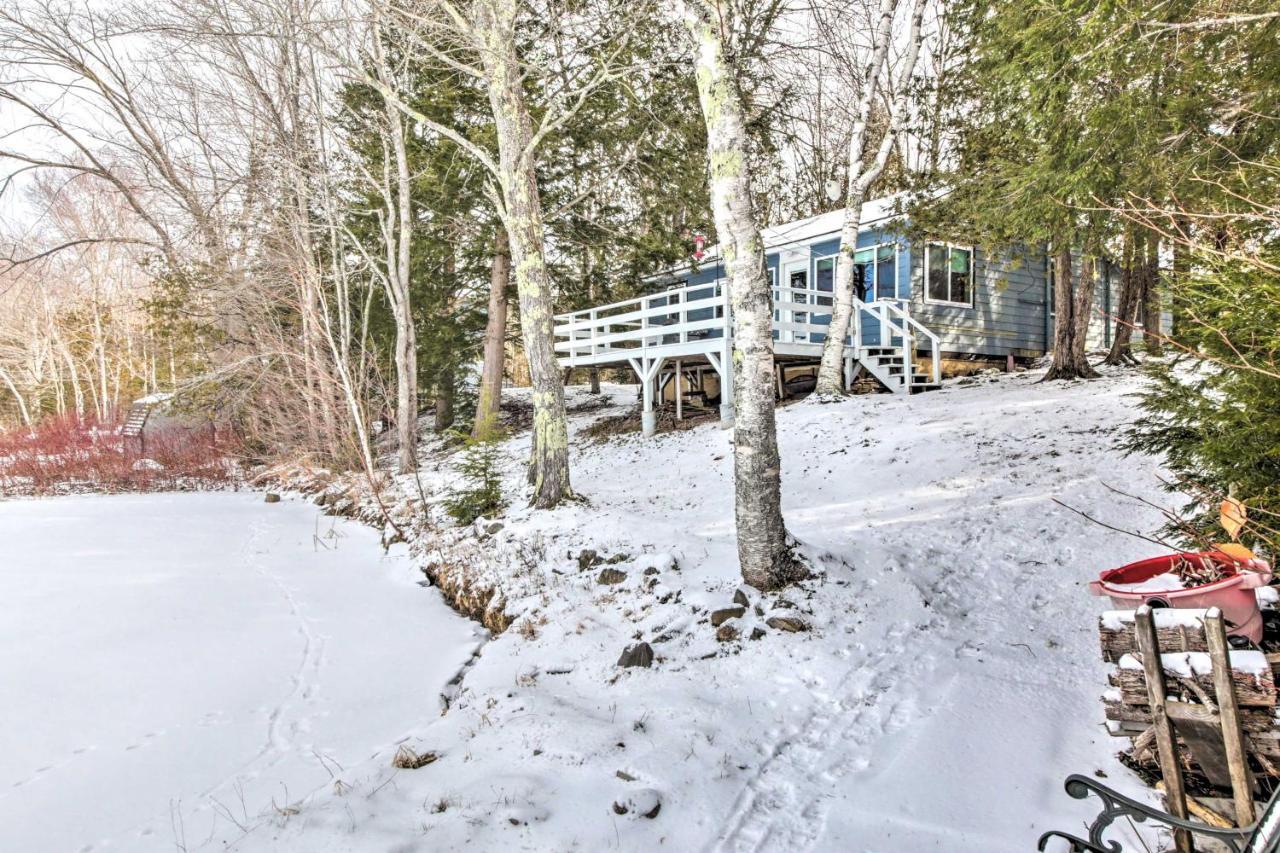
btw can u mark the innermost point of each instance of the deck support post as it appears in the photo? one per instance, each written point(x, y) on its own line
point(647, 370)
point(848, 372)
point(722, 364)
point(679, 400)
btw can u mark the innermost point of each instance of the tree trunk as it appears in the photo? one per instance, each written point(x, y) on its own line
point(1130, 289)
point(1151, 298)
point(406, 348)
point(763, 552)
point(444, 401)
point(1082, 312)
point(1181, 270)
point(861, 177)
point(522, 215)
point(17, 395)
point(1070, 359)
point(489, 405)
point(594, 374)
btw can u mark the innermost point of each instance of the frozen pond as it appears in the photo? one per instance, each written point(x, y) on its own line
point(176, 666)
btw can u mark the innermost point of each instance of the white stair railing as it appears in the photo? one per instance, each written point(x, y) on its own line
point(892, 319)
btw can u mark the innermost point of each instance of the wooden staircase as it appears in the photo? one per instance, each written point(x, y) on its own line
point(884, 344)
point(888, 367)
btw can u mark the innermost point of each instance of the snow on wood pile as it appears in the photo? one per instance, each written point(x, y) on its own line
point(1177, 629)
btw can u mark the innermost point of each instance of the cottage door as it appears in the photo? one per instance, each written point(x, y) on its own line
point(796, 299)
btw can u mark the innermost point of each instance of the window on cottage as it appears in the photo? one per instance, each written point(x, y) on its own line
point(825, 276)
point(949, 274)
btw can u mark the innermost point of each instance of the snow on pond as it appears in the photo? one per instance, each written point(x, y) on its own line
point(175, 666)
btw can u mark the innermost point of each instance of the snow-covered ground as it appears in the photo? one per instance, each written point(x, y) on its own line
point(176, 667)
point(947, 683)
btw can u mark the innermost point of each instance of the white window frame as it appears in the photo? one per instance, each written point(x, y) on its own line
point(973, 275)
point(834, 257)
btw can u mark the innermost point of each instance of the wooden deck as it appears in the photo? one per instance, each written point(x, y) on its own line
point(662, 336)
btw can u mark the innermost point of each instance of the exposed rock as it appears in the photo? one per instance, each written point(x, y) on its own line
point(272, 498)
point(740, 598)
point(625, 776)
point(641, 654)
point(493, 527)
point(652, 570)
point(588, 559)
point(757, 633)
point(790, 624)
point(726, 633)
point(611, 576)
point(719, 617)
point(618, 558)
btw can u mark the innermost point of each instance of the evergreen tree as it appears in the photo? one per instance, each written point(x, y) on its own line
point(1214, 417)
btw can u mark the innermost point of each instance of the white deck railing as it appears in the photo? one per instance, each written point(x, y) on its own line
point(696, 320)
point(687, 320)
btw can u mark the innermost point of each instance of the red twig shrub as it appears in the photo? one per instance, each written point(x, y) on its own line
point(61, 455)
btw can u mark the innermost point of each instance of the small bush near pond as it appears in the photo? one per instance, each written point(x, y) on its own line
point(481, 494)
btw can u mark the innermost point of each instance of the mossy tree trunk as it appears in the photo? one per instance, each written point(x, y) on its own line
point(489, 405)
point(495, 24)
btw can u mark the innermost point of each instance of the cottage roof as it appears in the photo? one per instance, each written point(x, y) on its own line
point(874, 211)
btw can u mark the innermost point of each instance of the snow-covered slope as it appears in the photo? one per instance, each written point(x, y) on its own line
point(174, 667)
point(948, 681)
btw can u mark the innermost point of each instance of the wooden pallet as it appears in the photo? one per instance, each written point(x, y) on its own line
point(1178, 688)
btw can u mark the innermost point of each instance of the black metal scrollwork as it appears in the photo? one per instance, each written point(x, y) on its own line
point(1116, 805)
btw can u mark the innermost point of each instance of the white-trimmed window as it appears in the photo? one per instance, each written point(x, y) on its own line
point(875, 268)
point(948, 274)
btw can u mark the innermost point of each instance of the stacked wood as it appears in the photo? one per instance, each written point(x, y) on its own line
point(1256, 720)
point(1198, 735)
point(1176, 630)
point(1250, 674)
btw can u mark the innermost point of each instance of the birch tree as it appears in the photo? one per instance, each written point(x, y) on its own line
point(483, 41)
point(764, 552)
point(862, 174)
point(397, 230)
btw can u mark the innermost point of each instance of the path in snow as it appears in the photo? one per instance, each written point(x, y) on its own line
point(175, 667)
point(955, 725)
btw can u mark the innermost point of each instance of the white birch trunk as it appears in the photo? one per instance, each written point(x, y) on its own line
point(398, 233)
point(861, 177)
point(17, 395)
point(764, 556)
